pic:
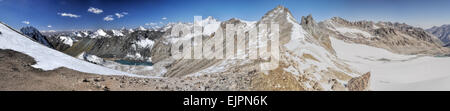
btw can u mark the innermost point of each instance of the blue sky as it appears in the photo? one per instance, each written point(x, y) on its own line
point(42, 13)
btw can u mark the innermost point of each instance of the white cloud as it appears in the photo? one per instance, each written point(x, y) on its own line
point(120, 15)
point(26, 22)
point(108, 18)
point(49, 26)
point(95, 10)
point(69, 15)
point(164, 18)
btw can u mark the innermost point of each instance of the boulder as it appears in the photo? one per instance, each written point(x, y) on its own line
point(360, 83)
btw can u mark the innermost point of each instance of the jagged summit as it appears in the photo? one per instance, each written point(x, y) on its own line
point(100, 33)
point(141, 28)
point(278, 15)
point(206, 21)
point(36, 35)
point(308, 20)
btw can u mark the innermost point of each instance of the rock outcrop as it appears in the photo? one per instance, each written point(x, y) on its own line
point(58, 43)
point(36, 35)
point(360, 83)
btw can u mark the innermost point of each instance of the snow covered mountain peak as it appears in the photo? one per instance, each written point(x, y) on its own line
point(210, 25)
point(117, 32)
point(81, 33)
point(279, 13)
point(99, 33)
point(208, 20)
point(35, 35)
point(140, 28)
point(130, 30)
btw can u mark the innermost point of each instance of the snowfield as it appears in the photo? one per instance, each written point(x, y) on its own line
point(47, 58)
point(117, 33)
point(352, 31)
point(66, 40)
point(394, 71)
point(349, 32)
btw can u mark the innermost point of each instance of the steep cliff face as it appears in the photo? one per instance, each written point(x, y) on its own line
point(36, 35)
point(359, 83)
point(395, 37)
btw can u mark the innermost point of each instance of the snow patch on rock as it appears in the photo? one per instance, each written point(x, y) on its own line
point(145, 43)
point(66, 40)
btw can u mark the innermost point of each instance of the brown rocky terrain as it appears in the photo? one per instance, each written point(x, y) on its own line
point(16, 74)
point(395, 37)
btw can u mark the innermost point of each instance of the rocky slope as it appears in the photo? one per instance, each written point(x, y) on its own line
point(395, 37)
point(17, 74)
point(442, 32)
point(307, 60)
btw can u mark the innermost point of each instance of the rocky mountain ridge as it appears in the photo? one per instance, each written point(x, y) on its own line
point(442, 32)
point(395, 37)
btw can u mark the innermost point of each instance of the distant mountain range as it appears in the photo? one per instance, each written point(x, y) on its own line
point(442, 32)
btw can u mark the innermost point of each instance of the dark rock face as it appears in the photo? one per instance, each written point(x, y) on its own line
point(36, 35)
point(308, 20)
point(447, 45)
point(442, 32)
point(121, 46)
point(418, 33)
point(58, 44)
point(309, 24)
